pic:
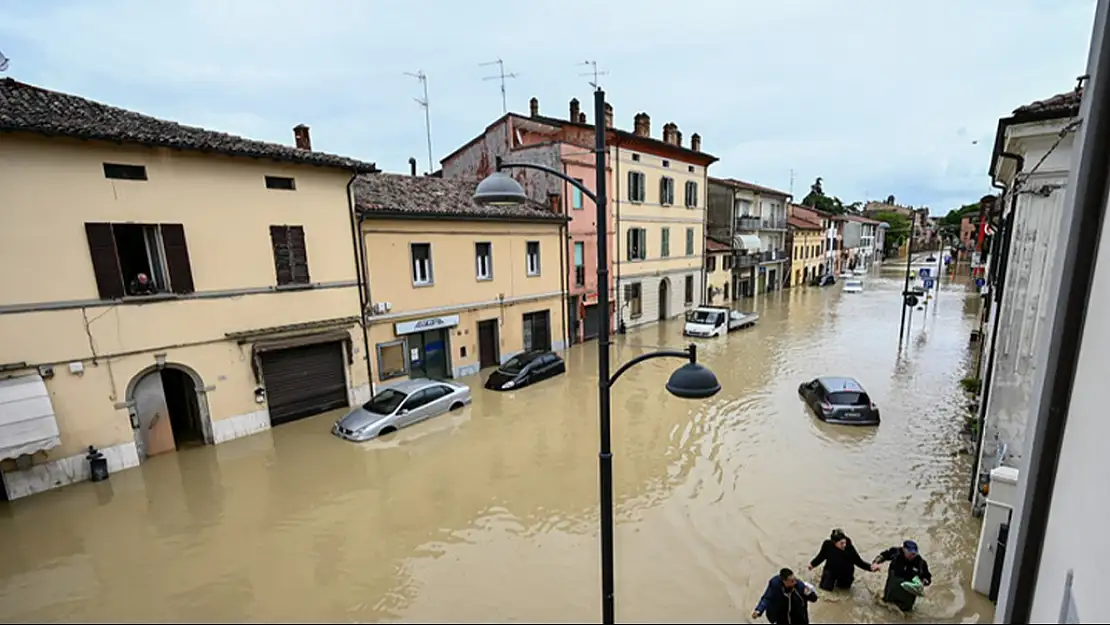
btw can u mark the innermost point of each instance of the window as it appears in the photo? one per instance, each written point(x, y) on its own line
point(115, 171)
point(637, 186)
point(727, 263)
point(281, 182)
point(533, 258)
point(666, 163)
point(579, 264)
point(421, 254)
point(711, 264)
point(392, 361)
point(666, 191)
point(576, 196)
point(665, 248)
point(139, 259)
point(483, 256)
point(637, 244)
point(689, 241)
point(633, 294)
point(537, 330)
point(691, 194)
point(690, 168)
point(689, 290)
point(290, 255)
point(636, 157)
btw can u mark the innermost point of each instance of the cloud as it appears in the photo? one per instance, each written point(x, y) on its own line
point(877, 97)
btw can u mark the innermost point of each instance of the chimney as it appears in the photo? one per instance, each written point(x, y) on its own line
point(669, 130)
point(300, 134)
point(412, 165)
point(695, 142)
point(641, 125)
point(678, 137)
point(555, 201)
point(534, 107)
point(608, 115)
point(574, 109)
point(581, 118)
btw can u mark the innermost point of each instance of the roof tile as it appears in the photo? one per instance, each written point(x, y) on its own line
point(396, 195)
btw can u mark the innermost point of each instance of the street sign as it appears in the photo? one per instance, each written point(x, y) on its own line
point(928, 283)
point(910, 300)
point(980, 282)
point(924, 273)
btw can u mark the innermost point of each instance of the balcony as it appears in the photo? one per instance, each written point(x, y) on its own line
point(746, 260)
point(772, 256)
point(774, 223)
point(748, 223)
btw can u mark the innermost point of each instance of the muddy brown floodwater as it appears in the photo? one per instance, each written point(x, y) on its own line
point(491, 514)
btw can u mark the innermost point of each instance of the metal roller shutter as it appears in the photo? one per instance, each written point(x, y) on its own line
point(304, 381)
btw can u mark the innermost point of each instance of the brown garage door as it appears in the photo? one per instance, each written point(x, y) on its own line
point(303, 381)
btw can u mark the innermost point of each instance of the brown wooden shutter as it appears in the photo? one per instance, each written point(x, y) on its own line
point(177, 258)
point(283, 262)
point(298, 253)
point(102, 249)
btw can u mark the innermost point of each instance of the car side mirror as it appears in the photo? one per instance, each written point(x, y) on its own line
point(403, 411)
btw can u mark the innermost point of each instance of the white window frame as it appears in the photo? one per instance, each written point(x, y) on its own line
point(532, 261)
point(415, 269)
point(483, 259)
point(691, 198)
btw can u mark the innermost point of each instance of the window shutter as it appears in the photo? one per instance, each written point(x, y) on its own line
point(662, 190)
point(177, 258)
point(283, 262)
point(631, 236)
point(102, 250)
point(298, 252)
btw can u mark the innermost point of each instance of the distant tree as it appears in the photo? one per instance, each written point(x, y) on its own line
point(890, 200)
point(899, 229)
point(818, 200)
point(956, 215)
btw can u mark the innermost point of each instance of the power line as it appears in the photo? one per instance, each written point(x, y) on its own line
point(423, 78)
point(594, 72)
point(501, 75)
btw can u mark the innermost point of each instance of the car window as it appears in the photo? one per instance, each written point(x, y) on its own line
point(416, 400)
point(547, 359)
point(846, 398)
point(438, 392)
point(385, 402)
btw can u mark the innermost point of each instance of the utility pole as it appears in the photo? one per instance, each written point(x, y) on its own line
point(423, 78)
point(593, 72)
point(501, 75)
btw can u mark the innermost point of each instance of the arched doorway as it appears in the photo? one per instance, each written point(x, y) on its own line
point(168, 410)
point(664, 298)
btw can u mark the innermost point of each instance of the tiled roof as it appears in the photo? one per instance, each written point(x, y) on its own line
point(396, 195)
point(807, 213)
point(859, 218)
point(27, 108)
point(749, 186)
point(713, 245)
point(804, 224)
point(625, 134)
point(1063, 104)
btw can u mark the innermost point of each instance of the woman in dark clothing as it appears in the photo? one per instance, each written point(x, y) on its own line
point(840, 558)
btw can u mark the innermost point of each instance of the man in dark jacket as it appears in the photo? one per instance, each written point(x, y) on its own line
point(905, 564)
point(841, 559)
point(786, 600)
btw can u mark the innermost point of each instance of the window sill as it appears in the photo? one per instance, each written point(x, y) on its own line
point(483, 279)
point(153, 297)
point(294, 287)
point(534, 275)
point(635, 315)
point(421, 285)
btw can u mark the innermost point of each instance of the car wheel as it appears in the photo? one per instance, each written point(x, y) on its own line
point(389, 429)
point(456, 406)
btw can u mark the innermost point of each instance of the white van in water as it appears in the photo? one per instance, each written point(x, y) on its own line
point(853, 286)
point(710, 321)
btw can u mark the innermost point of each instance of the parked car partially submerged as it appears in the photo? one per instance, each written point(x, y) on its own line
point(399, 406)
point(839, 400)
point(524, 369)
point(825, 279)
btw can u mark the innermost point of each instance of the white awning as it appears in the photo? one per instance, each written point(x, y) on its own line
point(746, 242)
point(27, 421)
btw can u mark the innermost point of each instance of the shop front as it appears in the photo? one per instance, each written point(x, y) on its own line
point(428, 342)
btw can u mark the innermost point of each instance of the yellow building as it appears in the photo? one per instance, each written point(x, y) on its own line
point(455, 286)
point(718, 273)
point(659, 192)
point(807, 251)
point(250, 283)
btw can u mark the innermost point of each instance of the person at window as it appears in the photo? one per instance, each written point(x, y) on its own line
point(907, 574)
point(786, 600)
point(143, 285)
point(841, 560)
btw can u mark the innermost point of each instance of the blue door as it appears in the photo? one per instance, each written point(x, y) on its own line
point(432, 359)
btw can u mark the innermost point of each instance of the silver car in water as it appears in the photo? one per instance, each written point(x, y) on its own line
point(399, 406)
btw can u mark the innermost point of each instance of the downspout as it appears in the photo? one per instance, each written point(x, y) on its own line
point(564, 238)
point(361, 278)
point(615, 259)
point(704, 238)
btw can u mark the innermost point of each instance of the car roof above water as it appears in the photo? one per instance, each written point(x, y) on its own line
point(412, 385)
point(836, 383)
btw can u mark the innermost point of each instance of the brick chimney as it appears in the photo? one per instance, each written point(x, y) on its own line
point(581, 118)
point(641, 125)
point(608, 115)
point(695, 142)
point(669, 130)
point(678, 137)
point(303, 139)
point(534, 107)
point(574, 109)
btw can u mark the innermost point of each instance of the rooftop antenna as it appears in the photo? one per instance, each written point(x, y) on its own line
point(423, 78)
point(3, 62)
point(791, 183)
point(593, 64)
point(501, 75)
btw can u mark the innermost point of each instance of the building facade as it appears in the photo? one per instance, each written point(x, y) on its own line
point(659, 192)
point(479, 284)
point(807, 249)
point(718, 273)
point(565, 145)
point(192, 286)
point(827, 259)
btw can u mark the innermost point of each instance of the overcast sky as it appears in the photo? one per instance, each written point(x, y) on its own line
point(877, 97)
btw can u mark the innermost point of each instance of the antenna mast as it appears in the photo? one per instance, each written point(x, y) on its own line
point(791, 182)
point(3, 62)
point(594, 72)
point(423, 78)
point(501, 75)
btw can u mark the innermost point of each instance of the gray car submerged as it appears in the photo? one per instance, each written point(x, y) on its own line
point(399, 406)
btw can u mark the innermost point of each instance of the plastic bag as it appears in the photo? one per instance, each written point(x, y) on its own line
point(915, 586)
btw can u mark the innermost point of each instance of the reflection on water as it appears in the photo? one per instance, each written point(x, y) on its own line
point(490, 514)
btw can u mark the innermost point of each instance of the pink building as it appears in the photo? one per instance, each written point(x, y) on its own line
point(565, 145)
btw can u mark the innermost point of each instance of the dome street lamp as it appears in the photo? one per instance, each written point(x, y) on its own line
point(690, 381)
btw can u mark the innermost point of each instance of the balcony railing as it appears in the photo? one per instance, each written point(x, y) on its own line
point(748, 223)
point(746, 260)
point(774, 224)
point(772, 256)
point(580, 276)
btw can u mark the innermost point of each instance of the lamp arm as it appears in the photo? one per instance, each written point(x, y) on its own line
point(554, 172)
point(690, 353)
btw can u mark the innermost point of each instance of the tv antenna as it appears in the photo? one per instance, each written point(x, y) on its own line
point(423, 78)
point(594, 72)
point(501, 75)
point(3, 62)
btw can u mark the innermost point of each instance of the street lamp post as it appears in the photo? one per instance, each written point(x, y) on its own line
point(690, 381)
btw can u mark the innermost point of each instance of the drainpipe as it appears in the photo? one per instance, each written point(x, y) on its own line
point(564, 237)
point(357, 242)
point(1001, 245)
point(619, 325)
point(1080, 248)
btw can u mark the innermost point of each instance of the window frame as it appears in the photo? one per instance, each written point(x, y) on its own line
point(577, 201)
point(640, 235)
point(635, 304)
point(478, 261)
point(665, 242)
point(430, 269)
point(287, 238)
point(403, 342)
point(691, 197)
point(666, 191)
point(528, 255)
point(637, 186)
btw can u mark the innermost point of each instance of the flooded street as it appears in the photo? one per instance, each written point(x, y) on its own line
point(490, 515)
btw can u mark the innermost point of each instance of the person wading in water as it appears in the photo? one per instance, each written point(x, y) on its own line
point(786, 600)
point(906, 564)
point(840, 558)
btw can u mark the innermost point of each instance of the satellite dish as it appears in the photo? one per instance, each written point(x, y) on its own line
point(3, 62)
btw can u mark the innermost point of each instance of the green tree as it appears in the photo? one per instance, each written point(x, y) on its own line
point(956, 215)
point(817, 199)
point(899, 229)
